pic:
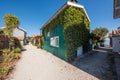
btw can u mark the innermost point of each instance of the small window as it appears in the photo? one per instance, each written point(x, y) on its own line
point(54, 41)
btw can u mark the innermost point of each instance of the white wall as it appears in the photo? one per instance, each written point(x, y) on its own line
point(116, 44)
point(79, 51)
point(17, 33)
point(21, 42)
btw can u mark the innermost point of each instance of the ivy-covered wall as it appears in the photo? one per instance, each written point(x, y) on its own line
point(58, 51)
point(76, 28)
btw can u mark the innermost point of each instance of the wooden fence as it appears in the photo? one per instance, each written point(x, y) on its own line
point(4, 42)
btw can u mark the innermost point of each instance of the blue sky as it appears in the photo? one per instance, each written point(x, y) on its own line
point(35, 13)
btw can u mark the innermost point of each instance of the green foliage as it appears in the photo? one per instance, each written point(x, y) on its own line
point(8, 56)
point(99, 34)
point(38, 42)
point(41, 42)
point(4, 70)
point(76, 29)
point(14, 56)
point(38, 46)
point(17, 50)
point(94, 38)
point(6, 51)
point(73, 16)
point(7, 59)
point(28, 39)
point(11, 22)
point(1, 31)
point(17, 44)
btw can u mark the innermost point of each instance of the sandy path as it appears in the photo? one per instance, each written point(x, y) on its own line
point(37, 64)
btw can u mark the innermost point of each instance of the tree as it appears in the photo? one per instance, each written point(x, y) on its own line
point(28, 39)
point(99, 34)
point(11, 22)
point(1, 31)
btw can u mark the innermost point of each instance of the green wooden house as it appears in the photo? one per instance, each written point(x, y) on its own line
point(66, 34)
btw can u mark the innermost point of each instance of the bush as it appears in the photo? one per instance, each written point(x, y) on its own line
point(17, 43)
point(4, 70)
point(5, 51)
point(38, 46)
point(7, 60)
point(14, 56)
point(5, 56)
point(17, 50)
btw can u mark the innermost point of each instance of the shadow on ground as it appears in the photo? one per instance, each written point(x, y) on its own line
point(100, 63)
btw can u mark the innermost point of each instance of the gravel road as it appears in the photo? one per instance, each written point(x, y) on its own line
point(37, 64)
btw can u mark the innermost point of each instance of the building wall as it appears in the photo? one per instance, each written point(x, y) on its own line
point(116, 44)
point(22, 42)
point(18, 32)
point(75, 33)
point(57, 51)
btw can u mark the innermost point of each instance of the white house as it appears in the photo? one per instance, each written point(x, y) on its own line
point(116, 40)
point(20, 34)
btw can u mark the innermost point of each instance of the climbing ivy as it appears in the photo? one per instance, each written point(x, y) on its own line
point(76, 29)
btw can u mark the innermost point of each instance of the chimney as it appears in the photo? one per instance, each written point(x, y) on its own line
point(74, 1)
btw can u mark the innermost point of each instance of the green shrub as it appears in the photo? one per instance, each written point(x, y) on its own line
point(4, 70)
point(17, 44)
point(6, 51)
point(6, 61)
point(14, 56)
point(5, 56)
point(38, 46)
point(17, 50)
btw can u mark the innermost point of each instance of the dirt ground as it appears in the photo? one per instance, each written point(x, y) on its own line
point(98, 64)
point(37, 64)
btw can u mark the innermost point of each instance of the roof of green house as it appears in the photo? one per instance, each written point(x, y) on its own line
point(69, 3)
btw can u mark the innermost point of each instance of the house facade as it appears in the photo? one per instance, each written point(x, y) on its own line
point(20, 34)
point(116, 40)
point(66, 34)
point(36, 39)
